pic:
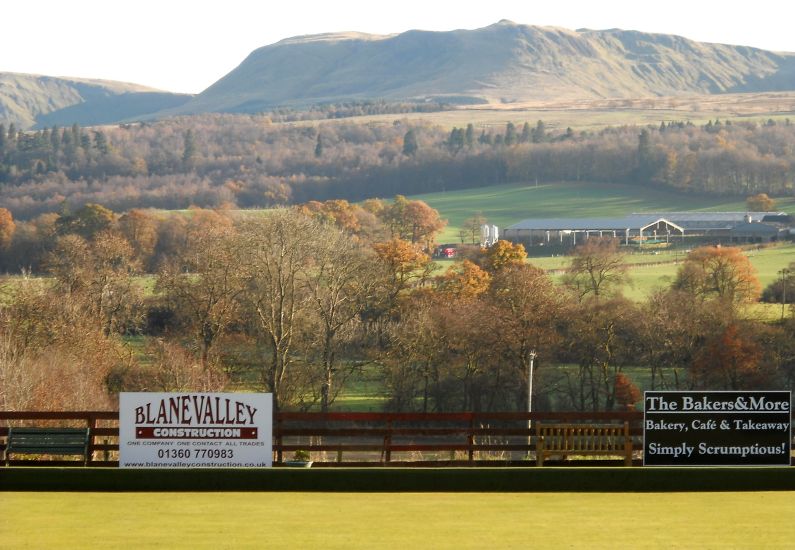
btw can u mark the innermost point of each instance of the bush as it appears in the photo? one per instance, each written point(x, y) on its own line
point(774, 292)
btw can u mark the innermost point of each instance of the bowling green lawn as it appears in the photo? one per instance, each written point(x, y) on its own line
point(412, 521)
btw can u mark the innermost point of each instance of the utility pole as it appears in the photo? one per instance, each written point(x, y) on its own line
point(530, 396)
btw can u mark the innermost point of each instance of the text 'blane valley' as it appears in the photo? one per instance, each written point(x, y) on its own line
point(187, 410)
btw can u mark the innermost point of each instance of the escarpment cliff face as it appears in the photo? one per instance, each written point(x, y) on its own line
point(504, 62)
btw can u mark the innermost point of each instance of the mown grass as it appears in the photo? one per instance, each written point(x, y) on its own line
point(364, 391)
point(396, 520)
point(769, 261)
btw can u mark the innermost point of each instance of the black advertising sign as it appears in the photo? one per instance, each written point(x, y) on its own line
point(718, 428)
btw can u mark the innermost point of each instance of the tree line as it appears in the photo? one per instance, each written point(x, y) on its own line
point(296, 301)
point(349, 109)
point(250, 162)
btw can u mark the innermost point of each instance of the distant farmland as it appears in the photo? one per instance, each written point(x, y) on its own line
point(594, 114)
point(504, 205)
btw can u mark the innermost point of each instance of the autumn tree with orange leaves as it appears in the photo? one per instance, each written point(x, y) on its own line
point(464, 280)
point(722, 273)
point(413, 221)
point(403, 264)
point(503, 255)
point(730, 361)
point(7, 228)
point(760, 203)
point(626, 392)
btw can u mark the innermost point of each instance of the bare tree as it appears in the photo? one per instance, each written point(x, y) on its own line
point(601, 337)
point(203, 281)
point(597, 268)
point(98, 274)
point(273, 254)
point(471, 226)
point(340, 280)
point(527, 306)
point(672, 328)
point(176, 369)
point(52, 354)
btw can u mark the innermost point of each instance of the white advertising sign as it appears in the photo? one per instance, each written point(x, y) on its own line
point(195, 430)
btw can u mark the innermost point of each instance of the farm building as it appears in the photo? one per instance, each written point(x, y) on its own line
point(653, 227)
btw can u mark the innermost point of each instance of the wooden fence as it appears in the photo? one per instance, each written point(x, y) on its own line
point(103, 442)
point(363, 439)
point(424, 439)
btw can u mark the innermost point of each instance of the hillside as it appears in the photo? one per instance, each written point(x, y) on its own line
point(30, 101)
point(502, 63)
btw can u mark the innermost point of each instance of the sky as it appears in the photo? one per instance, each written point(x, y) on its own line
point(185, 46)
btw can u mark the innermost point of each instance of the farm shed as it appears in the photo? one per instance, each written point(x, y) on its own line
point(754, 233)
point(645, 228)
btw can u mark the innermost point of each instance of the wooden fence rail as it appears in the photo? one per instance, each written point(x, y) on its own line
point(361, 439)
point(353, 438)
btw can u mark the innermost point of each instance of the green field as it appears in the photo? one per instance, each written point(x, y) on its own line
point(395, 520)
point(505, 205)
point(646, 275)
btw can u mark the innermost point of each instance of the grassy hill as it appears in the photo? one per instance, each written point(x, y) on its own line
point(504, 63)
point(30, 100)
point(502, 66)
point(504, 205)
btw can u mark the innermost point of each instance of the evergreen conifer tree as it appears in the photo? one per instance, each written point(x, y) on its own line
point(319, 147)
point(410, 144)
point(525, 133)
point(55, 139)
point(188, 148)
point(510, 134)
point(101, 142)
point(469, 135)
point(539, 132)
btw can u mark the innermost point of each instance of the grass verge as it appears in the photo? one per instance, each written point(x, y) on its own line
point(413, 520)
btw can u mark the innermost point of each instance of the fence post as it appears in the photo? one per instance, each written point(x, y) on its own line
point(471, 438)
point(92, 425)
point(279, 440)
point(387, 454)
point(627, 445)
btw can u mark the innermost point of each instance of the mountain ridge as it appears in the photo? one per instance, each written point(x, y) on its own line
point(31, 100)
point(502, 63)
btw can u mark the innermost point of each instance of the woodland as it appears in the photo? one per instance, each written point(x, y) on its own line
point(256, 161)
point(228, 251)
point(302, 301)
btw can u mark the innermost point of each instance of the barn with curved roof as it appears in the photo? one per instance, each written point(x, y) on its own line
point(642, 228)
